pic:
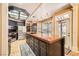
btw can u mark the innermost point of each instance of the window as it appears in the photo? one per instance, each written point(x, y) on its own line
point(62, 17)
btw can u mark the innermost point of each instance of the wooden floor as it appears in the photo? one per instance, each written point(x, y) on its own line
point(15, 47)
point(73, 54)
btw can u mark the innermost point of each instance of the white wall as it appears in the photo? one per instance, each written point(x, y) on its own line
point(75, 27)
point(4, 31)
point(0, 28)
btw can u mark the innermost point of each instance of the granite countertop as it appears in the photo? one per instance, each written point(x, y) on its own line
point(46, 39)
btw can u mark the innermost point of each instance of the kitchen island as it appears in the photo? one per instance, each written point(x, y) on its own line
point(44, 45)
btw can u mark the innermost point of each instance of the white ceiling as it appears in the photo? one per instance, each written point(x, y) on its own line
point(44, 10)
point(30, 7)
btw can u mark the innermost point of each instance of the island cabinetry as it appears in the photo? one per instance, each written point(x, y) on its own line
point(42, 46)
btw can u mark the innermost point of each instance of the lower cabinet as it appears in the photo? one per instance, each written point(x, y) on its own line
point(31, 43)
point(28, 39)
point(41, 48)
point(55, 49)
point(36, 47)
point(36, 51)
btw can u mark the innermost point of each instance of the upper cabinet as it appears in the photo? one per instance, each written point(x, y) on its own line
point(34, 27)
point(62, 17)
point(23, 16)
point(13, 14)
point(47, 29)
point(17, 13)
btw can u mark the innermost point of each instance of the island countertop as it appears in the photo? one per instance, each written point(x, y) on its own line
point(46, 39)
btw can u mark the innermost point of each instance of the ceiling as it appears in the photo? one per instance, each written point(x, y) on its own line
point(30, 7)
point(39, 11)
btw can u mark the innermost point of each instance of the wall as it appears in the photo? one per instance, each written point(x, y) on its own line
point(0, 28)
point(78, 27)
point(75, 26)
point(3, 30)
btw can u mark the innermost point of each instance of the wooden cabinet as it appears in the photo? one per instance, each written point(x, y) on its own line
point(41, 48)
point(28, 28)
point(36, 47)
point(28, 39)
point(50, 49)
point(31, 43)
point(54, 49)
point(34, 27)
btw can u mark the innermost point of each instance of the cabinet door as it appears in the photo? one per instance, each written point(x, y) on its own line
point(56, 49)
point(49, 29)
point(43, 48)
point(43, 52)
point(27, 39)
point(31, 43)
point(36, 51)
point(30, 39)
point(36, 47)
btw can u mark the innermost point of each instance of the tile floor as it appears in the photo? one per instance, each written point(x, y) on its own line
point(15, 47)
